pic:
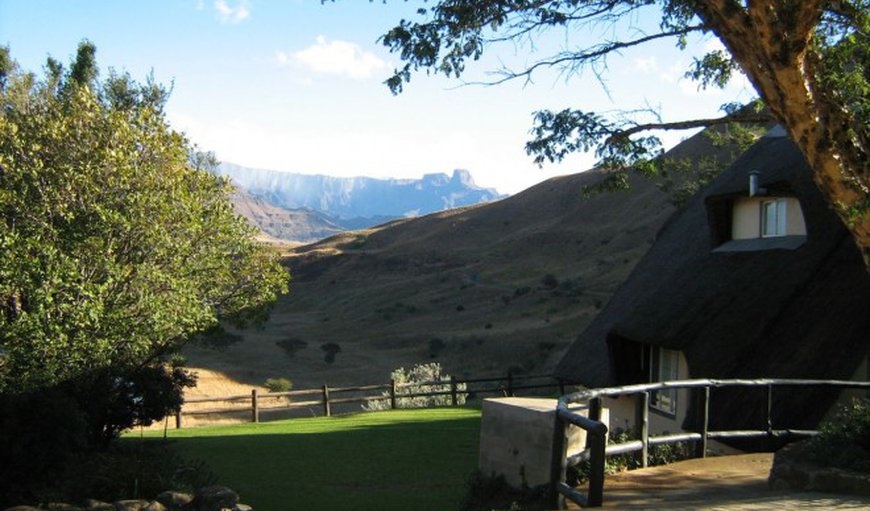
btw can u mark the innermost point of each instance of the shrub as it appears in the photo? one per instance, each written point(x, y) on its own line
point(844, 441)
point(331, 349)
point(658, 455)
point(520, 291)
point(549, 281)
point(436, 345)
point(291, 346)
point(420, 379)
point(486, 493)
point(278, 384)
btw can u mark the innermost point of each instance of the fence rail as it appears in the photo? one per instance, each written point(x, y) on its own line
point(393, 392)
point(596, 431)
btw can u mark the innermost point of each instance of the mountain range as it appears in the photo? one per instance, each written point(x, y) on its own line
point(480, 289)
point(282, 203)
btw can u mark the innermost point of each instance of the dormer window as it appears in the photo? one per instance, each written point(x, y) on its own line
point(773, 218)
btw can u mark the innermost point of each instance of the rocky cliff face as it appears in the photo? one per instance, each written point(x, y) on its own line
point(360, 197)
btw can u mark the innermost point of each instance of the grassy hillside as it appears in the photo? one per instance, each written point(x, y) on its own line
point(479, 289)
point(393, 460)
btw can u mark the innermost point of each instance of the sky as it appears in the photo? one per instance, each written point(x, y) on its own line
point(297, 85)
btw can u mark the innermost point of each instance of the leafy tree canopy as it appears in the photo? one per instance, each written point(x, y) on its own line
point(117, 244)
point(806, 59)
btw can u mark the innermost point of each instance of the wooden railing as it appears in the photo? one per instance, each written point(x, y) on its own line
point(596, 431)
point(325, 397)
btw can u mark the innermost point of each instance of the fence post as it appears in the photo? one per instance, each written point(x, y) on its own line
point(510, 389)
point(178, 418)
point(326, 411)
point(593, 414)
point(642, 426)
point(393, 394)
point(255, 408)
point(596, 470)
point(770, 415)
point(705, 422)
point(453, 386)
point(558, 462)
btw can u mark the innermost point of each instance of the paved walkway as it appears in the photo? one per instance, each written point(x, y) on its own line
point(727, 483)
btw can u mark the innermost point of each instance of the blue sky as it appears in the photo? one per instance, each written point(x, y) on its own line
point(296, 85)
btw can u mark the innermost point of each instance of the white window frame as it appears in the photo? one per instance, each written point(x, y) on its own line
point(664, 366)
point(773, 218)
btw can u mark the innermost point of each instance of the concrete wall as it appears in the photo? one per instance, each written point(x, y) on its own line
point(747, 218)
point(516, 439)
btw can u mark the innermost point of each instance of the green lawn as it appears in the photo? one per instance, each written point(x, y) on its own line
point(404, 460)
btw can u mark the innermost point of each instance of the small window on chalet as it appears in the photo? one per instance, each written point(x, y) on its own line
point(773, 218)
point(664, 366)
point(745, 224)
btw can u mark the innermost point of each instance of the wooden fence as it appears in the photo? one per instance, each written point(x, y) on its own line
point(596, 445)
point(326, 396)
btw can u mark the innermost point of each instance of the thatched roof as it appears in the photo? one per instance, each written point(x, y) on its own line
point(795, 311)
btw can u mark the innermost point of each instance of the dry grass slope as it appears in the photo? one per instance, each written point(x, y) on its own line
point(476, 279)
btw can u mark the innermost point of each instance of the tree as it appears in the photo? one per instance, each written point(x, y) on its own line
point(118, 245)
point(805, 58)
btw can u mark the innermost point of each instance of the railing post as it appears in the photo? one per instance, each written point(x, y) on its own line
point(326, 410)
point(453, 386)
point(393, 394)
point(705, 422)
point(642, 426)
point(255, 409)
point(558, 462)
point(178, 418)
point(594, 413)
point(596, 470)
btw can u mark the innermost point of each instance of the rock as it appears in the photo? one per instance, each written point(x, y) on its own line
point(215, 498)
point(97, 505)
point(21, 508)
point(173, 500)
point(154, 506)
point(243, 507)
point(131, 505)
point(62, 506)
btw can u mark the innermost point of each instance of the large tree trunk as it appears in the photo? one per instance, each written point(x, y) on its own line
point(771, 41)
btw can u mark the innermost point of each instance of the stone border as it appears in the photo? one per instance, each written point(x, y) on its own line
point(791, 471)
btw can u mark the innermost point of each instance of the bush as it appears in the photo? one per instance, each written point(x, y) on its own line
point(488, 493)
point(844, 441)
point(658, 455)
point(278, 385)
point(420, 379)
point(436, 345)
point(331, 349)
point(549, 281)
point(291, 346)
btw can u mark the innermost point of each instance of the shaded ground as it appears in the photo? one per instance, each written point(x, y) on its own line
point(727, 483)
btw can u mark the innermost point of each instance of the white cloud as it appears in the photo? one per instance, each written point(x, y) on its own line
point(336, 58)
point(232, 14)
point(645, 65)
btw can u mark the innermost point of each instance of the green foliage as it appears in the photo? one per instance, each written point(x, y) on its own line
point(549, 281)
point(421, 378)
point(330, 349)
point(436, 346)
point(278, 385)
point(844, 441)
point(662, 454)
point(489, 493)
point(117, 245)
